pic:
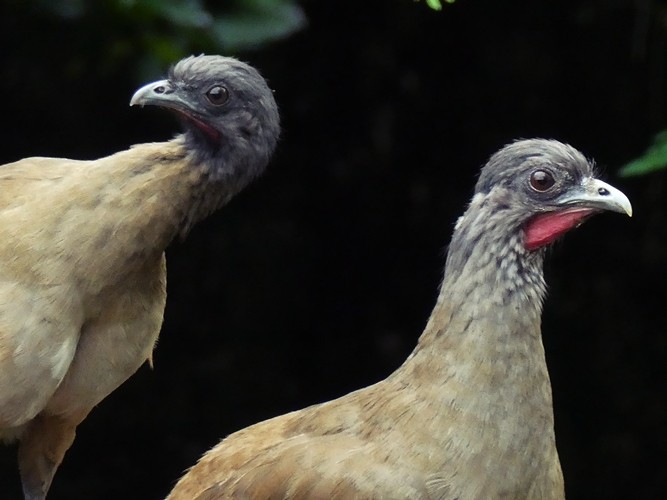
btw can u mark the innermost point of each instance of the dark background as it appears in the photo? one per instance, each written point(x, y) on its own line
point(318, 279)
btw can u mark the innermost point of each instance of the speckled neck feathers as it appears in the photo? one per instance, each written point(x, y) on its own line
point(480, 360)
point(490, 278)
point(487, 256)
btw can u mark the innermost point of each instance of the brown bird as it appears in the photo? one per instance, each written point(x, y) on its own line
point(82, 279)
point(469, 415)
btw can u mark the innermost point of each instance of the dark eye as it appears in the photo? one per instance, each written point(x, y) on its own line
point(541, 180)
point(217, 95)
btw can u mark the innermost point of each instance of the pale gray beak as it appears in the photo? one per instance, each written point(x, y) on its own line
point(160, 93)
point(596, 194)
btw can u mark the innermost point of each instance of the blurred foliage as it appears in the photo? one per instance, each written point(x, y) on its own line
point(161, 31)
point(655, 158)
point(436, 4)
point(167, 30)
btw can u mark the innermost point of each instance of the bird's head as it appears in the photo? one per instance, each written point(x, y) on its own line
point(227, 109)
point(545, 188)
point(528, 194)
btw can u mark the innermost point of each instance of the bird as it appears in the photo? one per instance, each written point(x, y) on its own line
point(469, 414)
point(83, 271)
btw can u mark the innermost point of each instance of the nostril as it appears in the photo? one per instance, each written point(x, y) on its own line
point(159, 90)
point(603, 191)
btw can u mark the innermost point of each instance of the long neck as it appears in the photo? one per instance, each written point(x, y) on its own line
point(482, 342)
point(478, 374)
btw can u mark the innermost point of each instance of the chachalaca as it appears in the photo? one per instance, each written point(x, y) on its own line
point(83, 278)
point(469, 415)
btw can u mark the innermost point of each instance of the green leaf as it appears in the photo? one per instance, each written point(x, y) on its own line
point(654, 159)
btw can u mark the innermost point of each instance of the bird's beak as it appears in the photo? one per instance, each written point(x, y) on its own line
point(597, 195)
point(161, 93)
point(164, 94)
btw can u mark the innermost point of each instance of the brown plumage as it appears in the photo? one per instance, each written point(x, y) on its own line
point(83, 278)
point(469, 414)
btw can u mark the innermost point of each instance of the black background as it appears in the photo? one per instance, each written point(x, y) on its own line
point(318, 279)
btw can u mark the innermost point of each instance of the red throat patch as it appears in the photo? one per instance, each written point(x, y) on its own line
point(545, 228)
point(211, 132)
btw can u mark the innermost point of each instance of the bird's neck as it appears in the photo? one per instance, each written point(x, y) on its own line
point(224, 169)
point(482, 346)
point(142, 198)
point(187, 183)
point(478, 373)
point(490, 299)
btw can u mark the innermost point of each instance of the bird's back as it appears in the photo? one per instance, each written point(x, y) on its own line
point(317, 452)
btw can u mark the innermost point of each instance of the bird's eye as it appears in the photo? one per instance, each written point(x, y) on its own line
point(541, 180)
point(217, 95)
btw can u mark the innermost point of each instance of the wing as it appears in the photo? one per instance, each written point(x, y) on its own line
point(40, 318)
point(39, 331)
